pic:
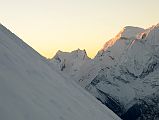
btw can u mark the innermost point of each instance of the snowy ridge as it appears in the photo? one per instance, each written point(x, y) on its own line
point(31, 90)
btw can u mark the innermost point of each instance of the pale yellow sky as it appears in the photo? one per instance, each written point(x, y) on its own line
point(51, 25)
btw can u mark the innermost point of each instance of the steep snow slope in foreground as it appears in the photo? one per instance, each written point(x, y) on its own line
point(31, 90)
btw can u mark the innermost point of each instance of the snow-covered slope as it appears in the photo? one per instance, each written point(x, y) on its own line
point(69, 63)
point(31, 90)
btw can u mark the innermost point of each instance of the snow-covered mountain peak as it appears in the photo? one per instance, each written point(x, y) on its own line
point(131, 32)
point(127, 33)
point(70, 62)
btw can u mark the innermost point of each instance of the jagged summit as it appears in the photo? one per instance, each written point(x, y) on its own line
point(74, 51)
point(82, 54)
point(70, 62)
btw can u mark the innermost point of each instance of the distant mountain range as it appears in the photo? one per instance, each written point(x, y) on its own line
point(124, 75)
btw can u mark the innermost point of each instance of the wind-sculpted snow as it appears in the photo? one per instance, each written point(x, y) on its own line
point(31, 90)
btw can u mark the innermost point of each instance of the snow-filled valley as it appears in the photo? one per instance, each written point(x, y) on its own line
point(124, 75)
point(32, 90)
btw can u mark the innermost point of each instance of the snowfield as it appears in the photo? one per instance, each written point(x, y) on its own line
point(31, 90)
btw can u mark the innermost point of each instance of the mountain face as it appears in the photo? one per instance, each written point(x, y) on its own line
point(109, 55)
point(124, 75)
point(128, 80)
point(31, 90)
point(69, 63)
